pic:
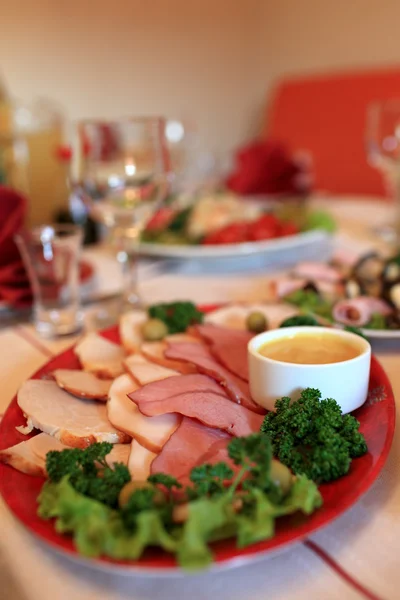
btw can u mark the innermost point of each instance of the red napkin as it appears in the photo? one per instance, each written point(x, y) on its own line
point(266, 167)
point(14, 283)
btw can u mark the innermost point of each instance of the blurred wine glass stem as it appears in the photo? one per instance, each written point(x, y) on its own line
point(127, 256)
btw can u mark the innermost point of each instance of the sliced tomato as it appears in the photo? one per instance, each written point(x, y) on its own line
point(231, 234)
point(265, 228)
point(288, 228)
point(161, 219)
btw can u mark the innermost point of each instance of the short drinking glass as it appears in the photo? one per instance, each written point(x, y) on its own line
point(51, 257)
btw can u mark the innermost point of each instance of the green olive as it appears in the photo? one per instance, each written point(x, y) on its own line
point(256, 322)
point(281, 475)
point(154, 330)
point(131, 487)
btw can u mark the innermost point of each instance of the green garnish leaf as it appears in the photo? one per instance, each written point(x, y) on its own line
point(177, 316)
point(312, 437)
point(300, 321)
point(377, 321)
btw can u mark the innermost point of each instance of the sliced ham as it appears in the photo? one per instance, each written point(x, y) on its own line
point(74, 422)
point(100, 356)
point(143, 371)
point(30, 456)
point(185, 448)
point(150, 432)
point(82, 384)
point(317, 271)
point(358, 311)
point(234, 316)
point(229, 346)
point(180, 384)
point(140, 461)
point(205, 405)
point(130, 329)
point(154, 352)
point(201, 357)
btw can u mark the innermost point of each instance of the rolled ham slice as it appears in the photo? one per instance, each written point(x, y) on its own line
point(284, 286)
point(358, 311)
point(76, 423)
point(229, 347)
point(140, 461)
point(317, 271)
point(30, 456)
point(143, 371)
point(150, 432)
point(185, 448)
point(197, 402)
point(130, 329)
point(82, 384)
point(201, 357)
point(100, 356)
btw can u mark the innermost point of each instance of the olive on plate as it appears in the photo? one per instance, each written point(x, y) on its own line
point(154, 330)
point(391, 294)
point(134, 485)
point(256, 322)
point(369, 267)
point(281, 475)
point(391, 272)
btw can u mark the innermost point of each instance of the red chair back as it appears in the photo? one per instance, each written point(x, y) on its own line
point(326, 115)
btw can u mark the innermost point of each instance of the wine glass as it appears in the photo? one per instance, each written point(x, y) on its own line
point(383, 149)
point(122, 173)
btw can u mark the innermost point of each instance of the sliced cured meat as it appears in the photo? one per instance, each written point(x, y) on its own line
point(317, 271)
point(143, 371)
point(212, 409)
point(30, 456)
point(183, 337)
point(234, 316)
point(140, 460)
point(154, 352)
point(284, 286)
point(100, 356)
point(173, 386)
point(130, 329)
point(358, 311)
point(229, 347)
point(74, 422)
point(185, 448)
point(151, 432)
point(82, 384)
point(201, 357)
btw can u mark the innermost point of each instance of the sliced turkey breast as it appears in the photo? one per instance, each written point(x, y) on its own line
point(74, 422)
point(82, 384)
point(130, 329)
point(30, 457)
point(100, 356)
point(140, 460)
point(143, 371)
point(150, 432)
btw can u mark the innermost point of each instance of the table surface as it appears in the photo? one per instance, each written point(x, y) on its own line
point(355, 557)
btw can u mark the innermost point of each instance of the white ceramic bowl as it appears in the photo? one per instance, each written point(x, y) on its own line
point(346, 382)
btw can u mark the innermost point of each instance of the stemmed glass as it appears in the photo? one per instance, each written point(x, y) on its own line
point(122, 173)
point(383, 149)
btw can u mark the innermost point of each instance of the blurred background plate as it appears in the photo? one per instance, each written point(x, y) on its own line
point(292, 243)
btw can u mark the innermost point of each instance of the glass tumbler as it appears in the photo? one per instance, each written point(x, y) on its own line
point(51, 257)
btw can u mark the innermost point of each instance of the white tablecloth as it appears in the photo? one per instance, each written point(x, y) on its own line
point(355, 557)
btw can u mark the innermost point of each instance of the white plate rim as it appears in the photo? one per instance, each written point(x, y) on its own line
point(234, 250)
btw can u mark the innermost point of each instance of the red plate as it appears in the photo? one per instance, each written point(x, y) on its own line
point(377, 418)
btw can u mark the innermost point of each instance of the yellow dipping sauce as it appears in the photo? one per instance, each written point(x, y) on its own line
point(310, 349)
